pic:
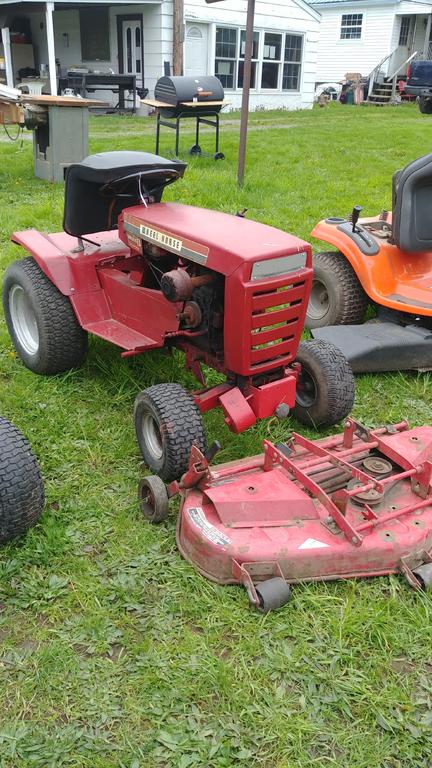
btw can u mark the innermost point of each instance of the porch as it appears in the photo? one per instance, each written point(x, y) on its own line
point(107, 50)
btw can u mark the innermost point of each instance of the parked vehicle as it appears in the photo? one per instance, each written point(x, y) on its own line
point(419, 83)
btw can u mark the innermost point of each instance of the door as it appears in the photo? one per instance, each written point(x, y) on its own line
point(132, 49)
point(196, 50)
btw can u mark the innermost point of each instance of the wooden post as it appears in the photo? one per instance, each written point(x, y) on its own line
point(246, 90)
point(178, 36)
point(49, 8)
point(7, 56)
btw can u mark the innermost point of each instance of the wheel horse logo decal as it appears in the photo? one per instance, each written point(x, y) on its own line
point(161, 237)
point(188, 249)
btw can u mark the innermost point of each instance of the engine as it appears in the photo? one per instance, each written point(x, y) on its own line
point(201, 290)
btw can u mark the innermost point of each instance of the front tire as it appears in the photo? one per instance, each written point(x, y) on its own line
point(21, 488)
point(167, 424)
point(337, 297)
point(325, 387)
point(41, 321)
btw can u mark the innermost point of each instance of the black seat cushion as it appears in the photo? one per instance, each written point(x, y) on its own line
point(92, 206)
point(412, 206)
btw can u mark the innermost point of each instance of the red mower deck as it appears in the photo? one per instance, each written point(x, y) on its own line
point(352, 505)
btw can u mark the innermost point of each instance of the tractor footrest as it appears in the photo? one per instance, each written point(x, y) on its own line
point(121, 335)
point(381, 346)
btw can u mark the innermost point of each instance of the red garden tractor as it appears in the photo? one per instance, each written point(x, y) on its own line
point(229, 292)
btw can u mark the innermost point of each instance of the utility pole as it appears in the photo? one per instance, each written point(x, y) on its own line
point(178, 36)
point(247, 70)
point(244, 118)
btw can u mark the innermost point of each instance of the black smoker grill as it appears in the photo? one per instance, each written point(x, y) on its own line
point(178, 97)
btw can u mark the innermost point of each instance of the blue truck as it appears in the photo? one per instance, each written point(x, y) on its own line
point(419, 83)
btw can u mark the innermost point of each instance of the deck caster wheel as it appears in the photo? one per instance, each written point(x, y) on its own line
point(167, 424)
point(325, 387)
point(424, 575)
point(153, 499)
point(195, 150)
point(273, 594)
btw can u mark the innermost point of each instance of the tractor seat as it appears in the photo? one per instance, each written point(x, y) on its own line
point(412, 205)
point(98, 188)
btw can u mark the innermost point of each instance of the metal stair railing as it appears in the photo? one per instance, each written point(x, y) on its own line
point(376, 70)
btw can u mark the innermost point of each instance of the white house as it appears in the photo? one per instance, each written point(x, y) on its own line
point(355, 35)
point(136, 37)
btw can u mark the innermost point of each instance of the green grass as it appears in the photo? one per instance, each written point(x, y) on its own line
point(114, 653)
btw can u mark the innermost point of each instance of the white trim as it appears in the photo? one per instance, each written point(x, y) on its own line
point(8, 57)
point(49, 8)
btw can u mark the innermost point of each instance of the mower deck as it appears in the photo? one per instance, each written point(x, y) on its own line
point(353, 505)
point(381, 346)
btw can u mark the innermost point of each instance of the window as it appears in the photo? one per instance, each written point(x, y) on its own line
point(226, 56)
point(255, 48)
point(276, 59)
point(292, 63)
point(404, 30)
point(94, 31)
point(351, 26)
point(271, 60)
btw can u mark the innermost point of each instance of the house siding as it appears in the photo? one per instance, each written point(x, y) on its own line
point(336, 57)
point(279, 16)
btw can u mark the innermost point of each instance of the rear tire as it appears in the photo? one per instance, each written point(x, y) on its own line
point(41, 321)
point(337, 297)
point(325, 387)
point(167, 424)
point(21, 488)
point(425, 105)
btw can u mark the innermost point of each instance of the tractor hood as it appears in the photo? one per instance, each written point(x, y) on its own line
point(220, 241)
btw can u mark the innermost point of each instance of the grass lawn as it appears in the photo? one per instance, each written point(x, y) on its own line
point(114, 653)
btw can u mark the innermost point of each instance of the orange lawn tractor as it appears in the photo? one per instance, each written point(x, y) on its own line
point(385, 261)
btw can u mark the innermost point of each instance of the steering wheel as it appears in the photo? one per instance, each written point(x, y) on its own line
point(111, 188)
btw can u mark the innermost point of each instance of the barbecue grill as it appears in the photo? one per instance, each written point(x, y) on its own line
point(183, 92)
point(178, 97)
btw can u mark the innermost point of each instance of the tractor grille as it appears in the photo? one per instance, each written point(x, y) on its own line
point(276, 322)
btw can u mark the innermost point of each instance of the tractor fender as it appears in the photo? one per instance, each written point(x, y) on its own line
point(363, 265)
point(53, 263)
point(70, 276)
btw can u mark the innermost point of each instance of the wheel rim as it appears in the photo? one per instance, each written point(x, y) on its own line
point(306, 392)
point(152, 436)
point(23, 320)
point(319, 301)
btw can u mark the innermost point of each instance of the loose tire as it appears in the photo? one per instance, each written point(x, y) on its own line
point(325, 387)
point(153, 499)
point(167, 424)
point(425, 105)
point(21, 487)
point(337, 297)
point(41, 321)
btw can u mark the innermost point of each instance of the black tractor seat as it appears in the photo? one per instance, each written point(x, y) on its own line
point(98, 188)
point(412, 205)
